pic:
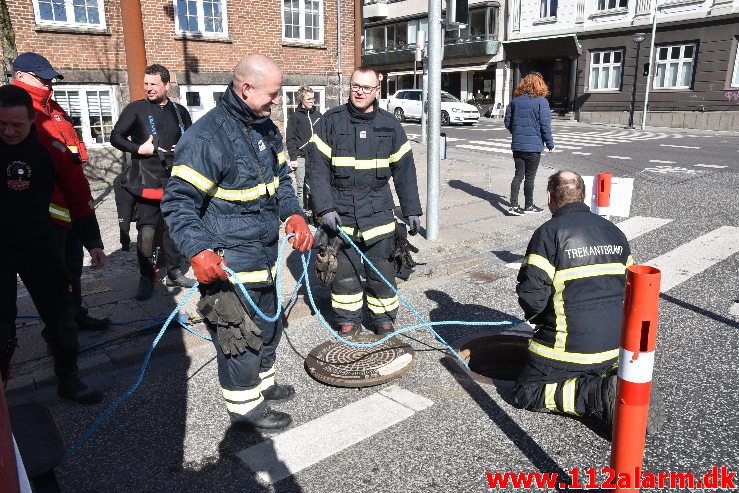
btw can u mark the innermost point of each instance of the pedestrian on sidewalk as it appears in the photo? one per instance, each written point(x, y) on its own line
point(33, 163)
point(357, 147)
point(300, 127)
point(35, 75)
point(529, 120)
point(229, 191)
point(149, 129)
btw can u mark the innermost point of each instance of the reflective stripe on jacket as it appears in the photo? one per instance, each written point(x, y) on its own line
point(571, 285)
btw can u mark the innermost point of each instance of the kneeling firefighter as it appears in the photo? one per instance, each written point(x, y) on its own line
point(356, 148)
point(229, 190)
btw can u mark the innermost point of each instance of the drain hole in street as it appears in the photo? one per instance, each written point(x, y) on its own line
point(500, 357)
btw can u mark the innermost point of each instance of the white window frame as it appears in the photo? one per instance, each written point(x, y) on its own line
point(617, 6)
point(70, 22)
point(201, 21)
point(611, 65)
point(734, 82)
point(316, 89)
point(548, 12)
point(301, 24)
point(680, 61)
point(82, 89)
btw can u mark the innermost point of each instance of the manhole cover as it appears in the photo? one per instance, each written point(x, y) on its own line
point(498, 357)
point(334, 363)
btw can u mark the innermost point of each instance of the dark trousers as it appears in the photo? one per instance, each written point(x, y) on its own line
point(526, 166)
point(347, 293)
point(153, 234)
point(545, 388)
point(243, 378)
point(125, 201)
point(72, 252)
point(42, 271)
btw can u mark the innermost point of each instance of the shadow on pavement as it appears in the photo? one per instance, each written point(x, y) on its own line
point(498, 201)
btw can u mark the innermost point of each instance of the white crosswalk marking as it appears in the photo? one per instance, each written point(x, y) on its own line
point(307, 444)
point(486, 149)
point(681, 147)
point(661, 161)
point(582, 153)
point(625, 158)
point(637, 226)
point(710, 166)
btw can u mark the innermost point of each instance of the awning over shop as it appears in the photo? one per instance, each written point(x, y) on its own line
point(543, 48)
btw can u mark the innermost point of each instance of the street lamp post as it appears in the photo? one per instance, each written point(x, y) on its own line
point(638, 38)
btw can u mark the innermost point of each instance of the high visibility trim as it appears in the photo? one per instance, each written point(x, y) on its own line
point(378, 306)
point(363, 164)
point(240, 396)
point(570, 357)
point(629, 261)
point(60, 213)
point(267, 378)
point(208, 187)
point(635, 368)
point(244, 408)
point(549, 391)
point(348, 302)
point(370, 233)
point(281, 158)
point(540, 262)
point(322, 146)
point(568, 396)
point(73, 149)
point(404, 149)
point(254, 276)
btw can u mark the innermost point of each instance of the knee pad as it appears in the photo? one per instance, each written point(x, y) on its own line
point(146, 241)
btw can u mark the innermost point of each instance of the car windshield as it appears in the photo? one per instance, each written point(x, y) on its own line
point(448, 98)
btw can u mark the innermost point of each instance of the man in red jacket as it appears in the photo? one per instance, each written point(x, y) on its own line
point(35, 74)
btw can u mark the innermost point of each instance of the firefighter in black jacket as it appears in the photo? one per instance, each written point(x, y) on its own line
point(32, 163)
point(356, 148)
point(571, 286)
point(154, 125)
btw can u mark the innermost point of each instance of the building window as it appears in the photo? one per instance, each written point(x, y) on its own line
point(91, 109)
point(612, 4)
point(199, 99)
point(70, 13)
point(548, 8)
point(735, 76)
point(302, 20)
point(416, 25)
point(290, 99)
point(674, 67)
point(201, 17)
point(605, 70)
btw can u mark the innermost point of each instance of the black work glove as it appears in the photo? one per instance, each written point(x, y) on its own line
point(332, 220)
point(235, 340)
point(414, 223)
point(235, 330)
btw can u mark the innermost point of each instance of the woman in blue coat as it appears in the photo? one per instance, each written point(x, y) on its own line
point(529, 120)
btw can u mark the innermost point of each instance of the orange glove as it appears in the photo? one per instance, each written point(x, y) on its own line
point(303, 239)
point(208, 267)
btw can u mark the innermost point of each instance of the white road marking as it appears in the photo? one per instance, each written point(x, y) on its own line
point(692, 258)
point(626, 158)
point(308, 444)
point(734, 309)
point(637, 226)
point(681, 147)
point(582, 153)
point(710, 166)
point(661, 161)
point(514, 265)
point(487, 149)
point(497, 143)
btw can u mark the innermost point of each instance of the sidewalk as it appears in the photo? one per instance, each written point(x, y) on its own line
point(473, 224)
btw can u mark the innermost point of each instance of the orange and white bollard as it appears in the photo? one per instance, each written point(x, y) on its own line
point(635, 365)
point(603, 191)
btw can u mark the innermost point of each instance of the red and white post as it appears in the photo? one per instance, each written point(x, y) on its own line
point(635, 365)
point(603, 193)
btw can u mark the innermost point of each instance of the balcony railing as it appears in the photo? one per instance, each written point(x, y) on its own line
point(481, 45)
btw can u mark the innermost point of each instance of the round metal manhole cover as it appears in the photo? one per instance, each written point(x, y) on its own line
point(498, 357)
point(335, 363)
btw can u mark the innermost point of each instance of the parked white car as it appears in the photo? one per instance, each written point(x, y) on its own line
point(406, 104)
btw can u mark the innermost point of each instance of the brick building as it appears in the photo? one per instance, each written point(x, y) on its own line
point(199, 41)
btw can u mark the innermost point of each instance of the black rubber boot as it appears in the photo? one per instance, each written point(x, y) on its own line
point(279, 393)
point(268, 420)
point(146, 287)
point(75, 390)
point(175, 278)
point(87, 323)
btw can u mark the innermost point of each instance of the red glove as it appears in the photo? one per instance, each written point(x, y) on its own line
point(208, 267)
point(303, 239)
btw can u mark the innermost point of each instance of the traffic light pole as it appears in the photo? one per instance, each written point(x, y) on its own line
point(651, 67)
point(433, 183)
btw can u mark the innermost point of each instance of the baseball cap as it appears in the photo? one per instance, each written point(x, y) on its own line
point(33, 62)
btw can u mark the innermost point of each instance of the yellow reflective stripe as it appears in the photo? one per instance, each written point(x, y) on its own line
point(378, 231)
point(281, 157)
point(365, 164)
point(254, 276)
point(549, 391)
point(348, 230)
point(560, 316)
point(629, 261)
point(540, 262)
point(73, 149)
point(60, 213)
point(208, 187)
point(244, 395)
point(584, 271)
point(378, 306)
point(349, 302)
point(244, 408)
point(568, 357)
point(322, 146)
point(267, 378)
point(568, 396)
point(404, 149)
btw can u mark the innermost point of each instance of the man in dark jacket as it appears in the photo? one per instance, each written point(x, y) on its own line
point(33, 163)
point(299, 133)
point(357, 148)
point(571, 286)
point(229, 190)
point(149, 129)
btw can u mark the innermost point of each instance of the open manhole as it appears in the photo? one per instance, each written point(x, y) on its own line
point(335, 363)
point(496, 357)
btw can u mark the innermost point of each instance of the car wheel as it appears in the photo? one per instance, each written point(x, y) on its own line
point(444, 118)
point(399, 114)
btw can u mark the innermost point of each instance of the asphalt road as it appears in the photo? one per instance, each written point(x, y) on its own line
point(174, 435)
